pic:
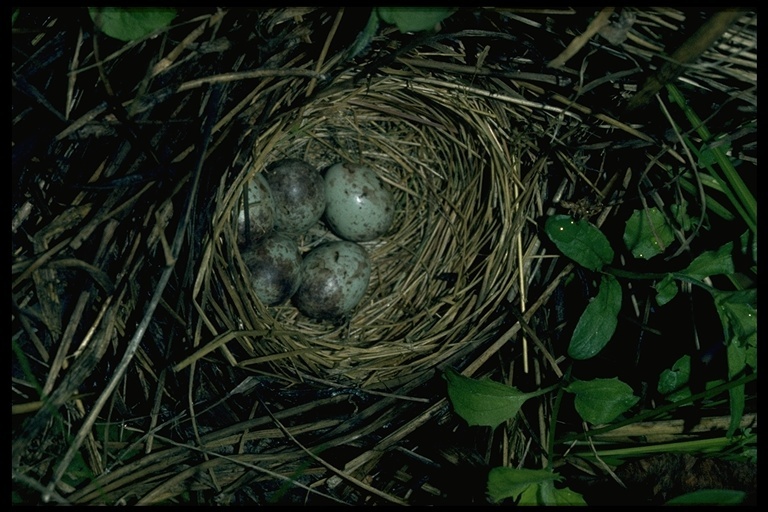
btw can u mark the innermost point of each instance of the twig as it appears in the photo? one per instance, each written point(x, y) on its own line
point(689, 51)
point(579, 41)
point(174, 54)
point(324, 52)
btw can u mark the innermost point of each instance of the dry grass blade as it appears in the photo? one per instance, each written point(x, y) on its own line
point(600, 21)
point(698, 43)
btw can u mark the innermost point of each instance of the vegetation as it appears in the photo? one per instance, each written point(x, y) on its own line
point(609, 403)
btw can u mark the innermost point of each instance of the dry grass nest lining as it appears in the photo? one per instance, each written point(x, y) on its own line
point(441, 271)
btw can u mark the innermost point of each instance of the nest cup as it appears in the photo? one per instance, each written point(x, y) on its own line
point(443, 268)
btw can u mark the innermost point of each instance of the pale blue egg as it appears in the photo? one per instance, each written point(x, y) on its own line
point(358, 206)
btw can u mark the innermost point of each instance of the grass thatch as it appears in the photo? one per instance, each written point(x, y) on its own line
point(146, 371)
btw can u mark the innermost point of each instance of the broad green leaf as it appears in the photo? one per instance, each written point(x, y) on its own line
point(506, 482)
point(708, 157)
point(131, 23)
point(484, 402)
point(598, 322)
point(549, 495)
point(738, 313)
point(531, 496)
point(580, 241)
point(666, 289)
point(601, 401)
point(712, 263)
point(647, 233)
point(675, 378)
point(710, 497)
point(414, 19)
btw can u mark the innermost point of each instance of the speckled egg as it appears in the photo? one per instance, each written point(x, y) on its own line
point(258, 218)
point(275, 267)
point(334, 278)
point(358, 206)
point(299, 192)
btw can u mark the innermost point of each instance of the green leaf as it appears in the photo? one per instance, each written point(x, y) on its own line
point(414, 19)
point(680, 211)
point(549, 495)
point(484, 402)
point(708, 156)
point(675, 378)
point(673, 383)
point(738, 314)
point(131, 23)
point(580, 241)
point(530, 496)
point(666, 290)
point(712, 263)
point(78, 471)
point(506, 482)
point(598, 322)
point(710, 497)
point(601, 401)
point(647, 233)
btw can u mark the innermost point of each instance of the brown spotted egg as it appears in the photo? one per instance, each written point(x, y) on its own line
point(334, 278)
point(299, 193)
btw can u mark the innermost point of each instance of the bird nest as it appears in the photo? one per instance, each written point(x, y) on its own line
point(453, 159)
point(133, 320)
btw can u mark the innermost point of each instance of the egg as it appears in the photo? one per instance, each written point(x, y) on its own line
point(274, 264)
point(358, 207)
point(258, 218)
point(334, 278)
point(299, 193)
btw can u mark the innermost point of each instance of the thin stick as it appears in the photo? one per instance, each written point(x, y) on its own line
point(579, 41)
point(73, 76)
point(324, 52)
point(174, 54)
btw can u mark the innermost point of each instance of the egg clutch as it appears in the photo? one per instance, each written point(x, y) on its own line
point(282, 204)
